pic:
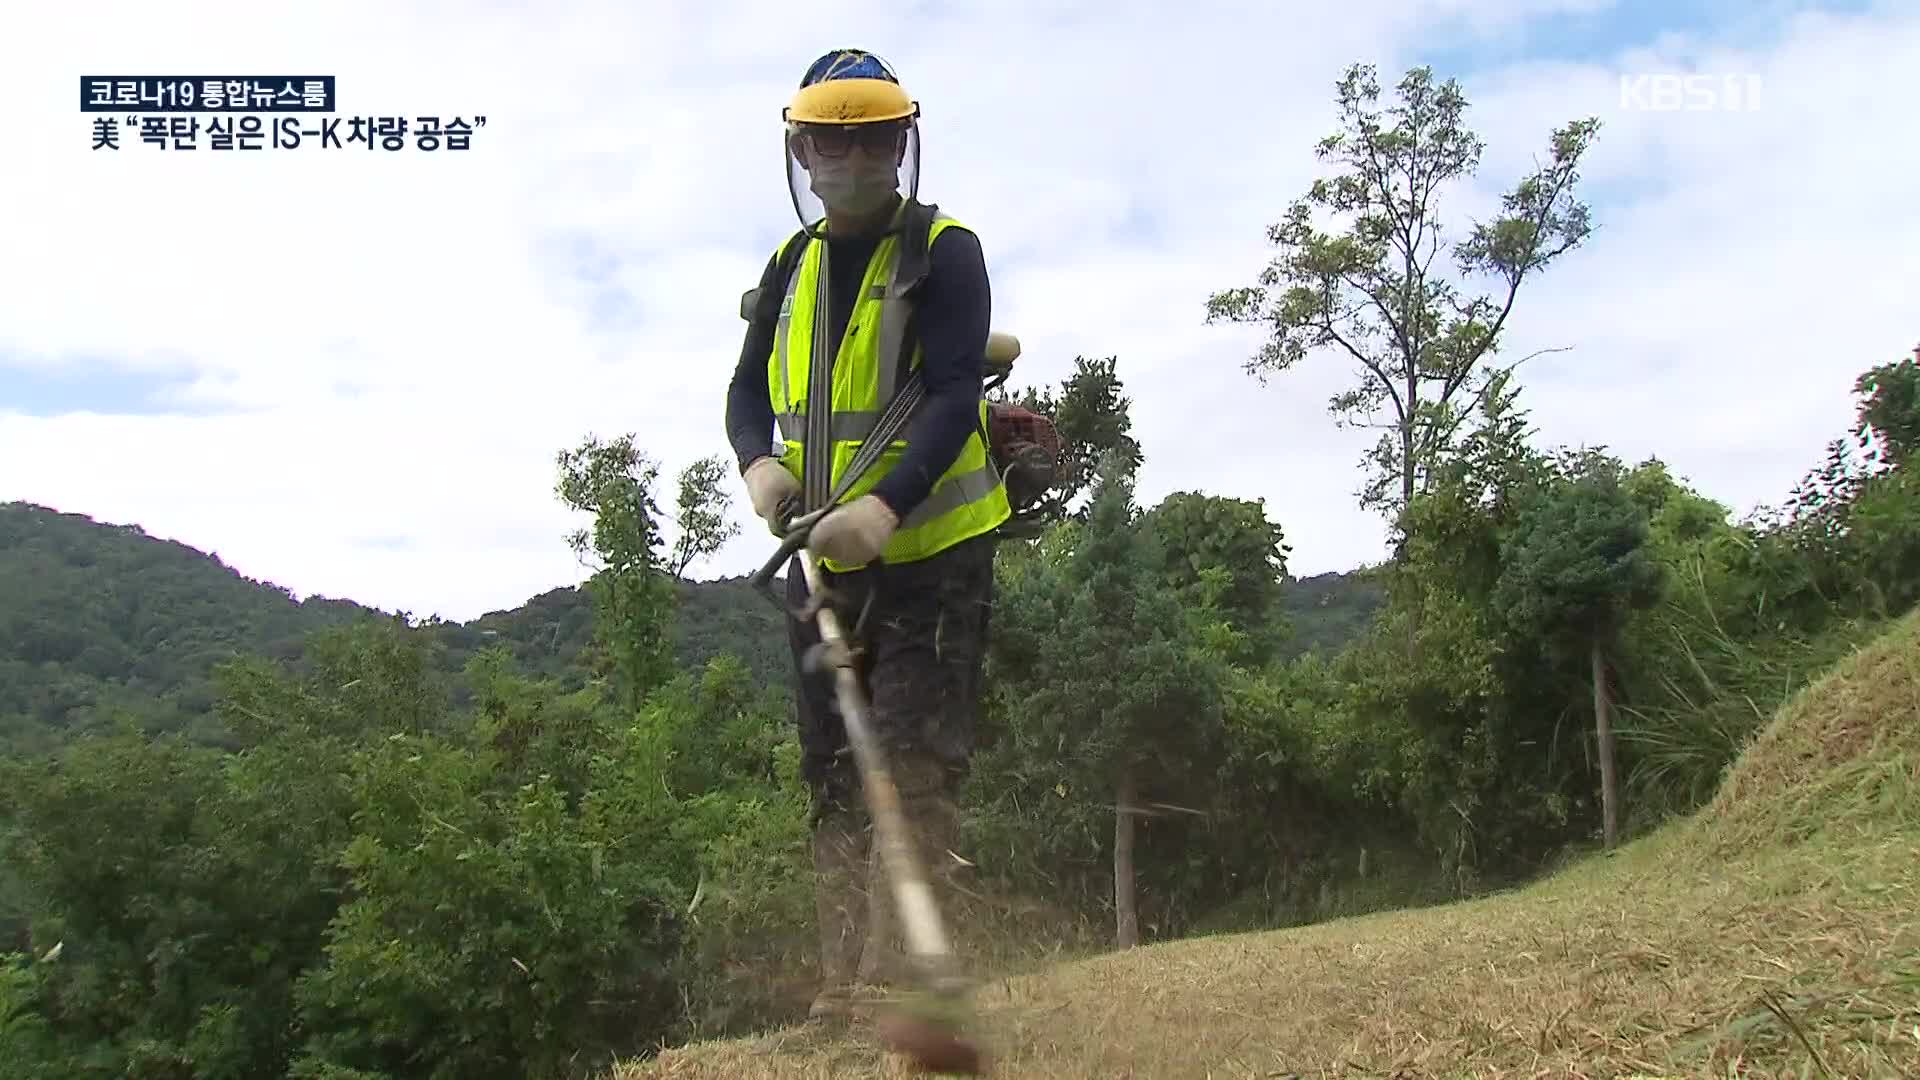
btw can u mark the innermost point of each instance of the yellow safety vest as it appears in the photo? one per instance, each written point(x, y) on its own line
point(969, 498)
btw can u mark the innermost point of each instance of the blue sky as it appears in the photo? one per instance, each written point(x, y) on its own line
point(87, 388)
point(1600, 32)
point(190, 342)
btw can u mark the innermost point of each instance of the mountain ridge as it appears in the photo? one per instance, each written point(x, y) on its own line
point(106, 620)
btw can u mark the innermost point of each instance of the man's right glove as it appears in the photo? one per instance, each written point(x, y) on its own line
point(855, 534)
point(768, 485)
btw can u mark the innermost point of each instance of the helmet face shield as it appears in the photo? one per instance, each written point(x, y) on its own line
point(851, 140)
point(853, 169)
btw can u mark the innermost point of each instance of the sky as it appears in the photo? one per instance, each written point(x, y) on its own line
point(349, 371)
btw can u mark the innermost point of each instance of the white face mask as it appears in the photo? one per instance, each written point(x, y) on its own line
point(854, 184)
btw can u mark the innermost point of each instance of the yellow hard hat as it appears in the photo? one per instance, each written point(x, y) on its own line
point(849, 86)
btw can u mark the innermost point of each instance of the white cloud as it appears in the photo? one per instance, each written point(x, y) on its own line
point(1761, 262)
point(404, 340)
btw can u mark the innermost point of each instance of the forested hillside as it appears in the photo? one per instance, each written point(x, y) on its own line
point(1326, 611)
point(100, 620)
point(103, 620)
point(358, 849)
point(97, 619)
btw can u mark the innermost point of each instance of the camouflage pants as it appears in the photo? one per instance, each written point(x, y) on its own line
point(920, 631)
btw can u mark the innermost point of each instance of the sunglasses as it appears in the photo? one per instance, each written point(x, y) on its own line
point(833, 142)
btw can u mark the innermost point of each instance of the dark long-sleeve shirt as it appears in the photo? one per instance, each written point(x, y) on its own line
point(953, 314)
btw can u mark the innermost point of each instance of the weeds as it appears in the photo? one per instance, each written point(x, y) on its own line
point(1713, 688)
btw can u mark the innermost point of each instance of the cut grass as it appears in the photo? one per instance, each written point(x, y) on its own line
point(1774, 933)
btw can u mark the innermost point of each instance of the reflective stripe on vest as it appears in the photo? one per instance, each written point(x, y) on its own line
point(969, 498)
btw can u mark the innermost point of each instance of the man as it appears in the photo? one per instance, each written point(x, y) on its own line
point(835, 327)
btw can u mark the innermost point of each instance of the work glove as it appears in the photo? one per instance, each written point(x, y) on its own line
point(856, 533)
point(768, 485)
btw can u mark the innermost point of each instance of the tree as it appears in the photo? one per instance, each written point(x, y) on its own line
point(1577, 564)
point(1199, 533)
point(1373, 292)
point(1091, 413)
point(1849, 524)
point(1889, 411)
point(1148, 717)
point(703, 521)
point(632, 593)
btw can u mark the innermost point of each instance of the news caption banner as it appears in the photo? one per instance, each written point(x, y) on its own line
point(252, 112)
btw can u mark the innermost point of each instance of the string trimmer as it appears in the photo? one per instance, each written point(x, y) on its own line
point(926, 1027)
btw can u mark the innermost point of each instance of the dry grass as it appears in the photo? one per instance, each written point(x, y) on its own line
point(1773, 934)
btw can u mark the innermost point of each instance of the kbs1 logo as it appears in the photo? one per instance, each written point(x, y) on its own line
point(1656, 92)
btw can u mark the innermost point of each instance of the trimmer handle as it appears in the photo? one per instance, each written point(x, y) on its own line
point(795, 536)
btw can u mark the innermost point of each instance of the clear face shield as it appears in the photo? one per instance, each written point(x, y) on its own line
point(855, 170)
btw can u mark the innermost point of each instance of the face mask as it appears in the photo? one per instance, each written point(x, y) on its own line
point(855, 183)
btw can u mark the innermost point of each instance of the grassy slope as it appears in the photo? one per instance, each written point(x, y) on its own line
point(1779, 919)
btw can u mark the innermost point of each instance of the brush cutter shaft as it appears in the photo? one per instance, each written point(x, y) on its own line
point(926, 937)
point(797, 532)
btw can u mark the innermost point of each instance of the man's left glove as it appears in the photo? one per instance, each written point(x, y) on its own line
point(768, 485)
point(855, 534)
